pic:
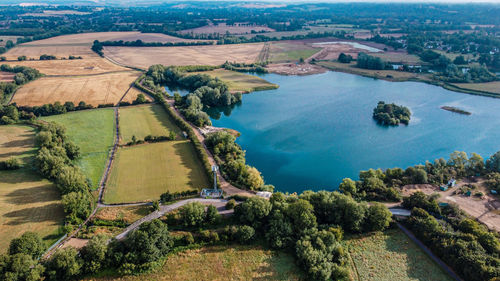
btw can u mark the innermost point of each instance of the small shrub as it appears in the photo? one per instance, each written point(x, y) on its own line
point(230, 204)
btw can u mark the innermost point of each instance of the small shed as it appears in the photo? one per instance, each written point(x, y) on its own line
point(443, 187)
point(468, 193)
point(452, 183)
point(493, 191)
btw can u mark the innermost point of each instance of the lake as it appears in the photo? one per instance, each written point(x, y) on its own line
point(316, 130)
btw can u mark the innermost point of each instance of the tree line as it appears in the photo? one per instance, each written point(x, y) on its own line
point(140, 43)
point(231, 157)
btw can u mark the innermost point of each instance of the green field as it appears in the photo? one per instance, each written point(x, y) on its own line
point(144, 172)
point(390, 256)
point(140, 121)
point(241, 82)
point(290, 52)
point(27, 201)
point(93, 132)
point(228, 262)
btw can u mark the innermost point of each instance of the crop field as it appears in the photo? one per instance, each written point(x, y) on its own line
point(143, 57)
point(92, 89)
point(222, 28)
point(290, 51)
point(27, 201)
point(241, 82)
point(140, 121)
point(5, 38)
point(93, 65)
point(227, 262)
point(88, 38)
point(35, 51)
point(6, 76)
point(93, 132)
point(144, 172)
point(492, 87)
point(390, 255)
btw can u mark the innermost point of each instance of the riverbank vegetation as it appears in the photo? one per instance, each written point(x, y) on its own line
point(391, 114)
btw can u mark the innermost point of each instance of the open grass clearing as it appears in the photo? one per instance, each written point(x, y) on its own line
point(398, 57)
point(144, 172)
point(390, 255)
point(144, 120)
point(93, 131)
point(290, 51)
point(128, 214)
point(27, 201)
point(227, 262)
point(93, 65)
point(391, 75)
point(143, 57)
point(241, 82)
point(95, 90)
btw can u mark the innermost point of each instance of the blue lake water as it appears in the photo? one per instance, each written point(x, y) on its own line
point(316, 130)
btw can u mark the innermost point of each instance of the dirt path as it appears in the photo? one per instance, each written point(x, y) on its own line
point(228, 188)
point(443, 265)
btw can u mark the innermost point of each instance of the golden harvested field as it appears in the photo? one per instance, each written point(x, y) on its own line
point(34, 52)
point(27, 201)
point(492, 87)
point(143, 57)
point(93, 89)
point(5, 38)
point(222, 28)
point(227, 262)
point(128, 214)
point(88, 38)
point(6, 76)
point(93, 65)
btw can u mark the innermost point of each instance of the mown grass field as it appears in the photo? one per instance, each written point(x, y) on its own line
point(27, 201)
point(93, 132)
point(144, 172)
point(492, 87)
point(241, 82)
point(140, 121)
point(390, 255)
point(228, 262)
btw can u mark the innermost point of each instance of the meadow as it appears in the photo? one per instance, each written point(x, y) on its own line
point(27, 201)
point(390, 255)
point(241, 82)
point(141, 121)
point(143, 57)
point(290, 51)
point(93, 132)
point(93, 89)
point(144, 172)
point(227, 262)
point(492, 87)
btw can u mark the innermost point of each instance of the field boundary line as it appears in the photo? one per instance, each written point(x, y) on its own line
point(435, 258)
point(353, 265)
point(88, 75)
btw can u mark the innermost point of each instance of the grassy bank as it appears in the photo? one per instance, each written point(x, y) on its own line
point(241, 82)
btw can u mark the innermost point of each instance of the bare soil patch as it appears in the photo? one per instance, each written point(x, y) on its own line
point(76, 243)
point(6, 76)
point(143, 57)
point(95, 89)
point(295, 69)
point(93, 65)
point(222, 28)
